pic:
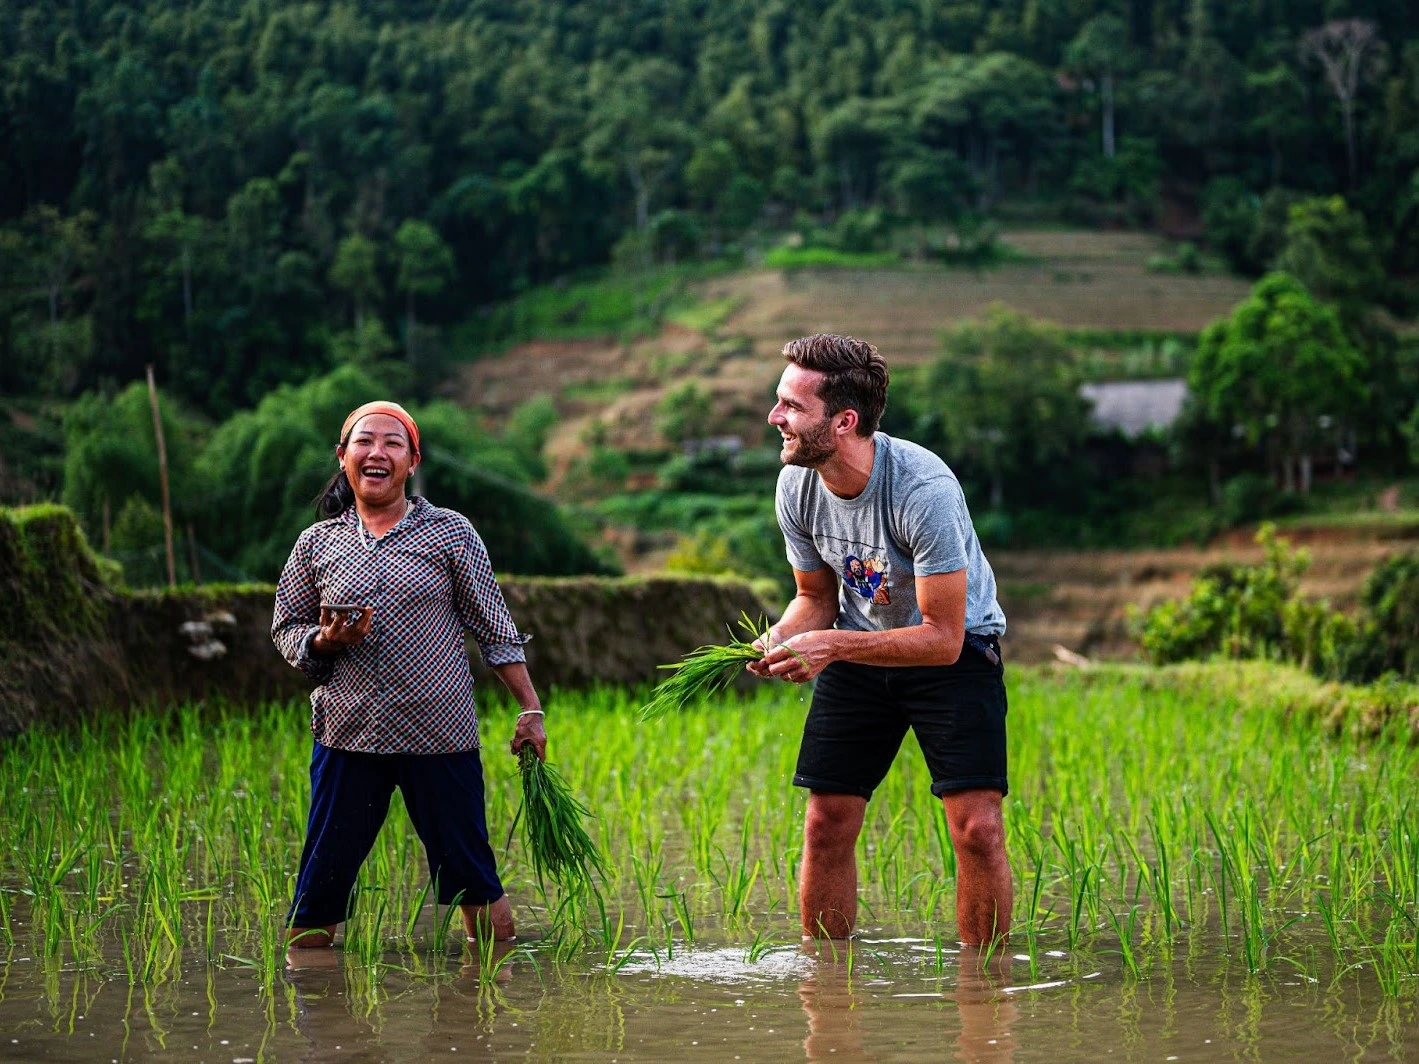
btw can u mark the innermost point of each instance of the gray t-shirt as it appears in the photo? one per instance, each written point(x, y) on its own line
point(911, 518)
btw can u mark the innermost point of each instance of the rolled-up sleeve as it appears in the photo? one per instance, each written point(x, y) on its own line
point(297, 617)
point(481, 607)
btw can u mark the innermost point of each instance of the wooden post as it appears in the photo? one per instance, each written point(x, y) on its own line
point(163, 477)
point(107, 529)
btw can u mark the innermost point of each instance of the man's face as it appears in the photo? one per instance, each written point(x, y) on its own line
point(856, 567)
point(799, 416)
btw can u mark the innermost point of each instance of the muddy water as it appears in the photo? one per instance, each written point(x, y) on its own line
point(894, 998)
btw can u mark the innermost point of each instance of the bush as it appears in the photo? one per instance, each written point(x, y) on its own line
point(1251, 611)
point(1391, 600)
point(1248, 497)
point(862, 230)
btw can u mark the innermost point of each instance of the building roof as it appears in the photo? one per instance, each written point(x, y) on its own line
point(1136, 407)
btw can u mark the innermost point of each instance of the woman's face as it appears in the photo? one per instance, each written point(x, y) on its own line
point(377, 459)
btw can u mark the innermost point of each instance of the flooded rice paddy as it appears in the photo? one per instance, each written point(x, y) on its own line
point(1197, 878)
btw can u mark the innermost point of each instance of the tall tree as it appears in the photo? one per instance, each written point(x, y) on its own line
point(355, 272)
point(1347, 51)
point(425, 269)
point(1100, 49)
point(1281, 371)
point(1005, 398)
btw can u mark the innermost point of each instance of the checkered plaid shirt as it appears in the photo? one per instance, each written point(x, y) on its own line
point(406, 688)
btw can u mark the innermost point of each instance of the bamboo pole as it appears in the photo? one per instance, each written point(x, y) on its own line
point(163, 477)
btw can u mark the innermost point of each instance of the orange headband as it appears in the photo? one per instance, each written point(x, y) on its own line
point(394, 410)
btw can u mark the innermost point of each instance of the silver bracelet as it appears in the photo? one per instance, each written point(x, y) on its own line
point(531, 712)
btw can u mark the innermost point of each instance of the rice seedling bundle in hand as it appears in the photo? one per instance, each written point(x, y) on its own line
point(551, 817)
point(706, 669)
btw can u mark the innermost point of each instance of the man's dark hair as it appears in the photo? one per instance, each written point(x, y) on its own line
point(854, 375)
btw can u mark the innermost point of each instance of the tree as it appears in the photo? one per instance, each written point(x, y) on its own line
point(852, 141)
point(355, 272)
point(1347, 51)
point(425, 269)
point(1328, 249)
point(1005, 397)
point(983, 107)
point(1100, 49)
point(632, 130)
point(1281, 373)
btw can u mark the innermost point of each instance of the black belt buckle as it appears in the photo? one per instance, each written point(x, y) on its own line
point(986, 646)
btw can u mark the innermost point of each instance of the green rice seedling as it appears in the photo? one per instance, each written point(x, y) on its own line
point(707, 669)
point(1124, 929)
point(443, 920)
point(683, 917)
point(416, 907)
point(551, 816)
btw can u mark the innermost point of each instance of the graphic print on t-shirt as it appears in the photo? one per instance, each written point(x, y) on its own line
point(865, 571)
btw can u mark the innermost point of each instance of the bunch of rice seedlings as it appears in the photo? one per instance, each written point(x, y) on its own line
point(706, 669)
point(551, 818)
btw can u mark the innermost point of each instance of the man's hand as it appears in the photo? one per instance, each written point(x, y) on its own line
point(800, 658)
point(340, 629)
point(530, 730)
point(763, 644)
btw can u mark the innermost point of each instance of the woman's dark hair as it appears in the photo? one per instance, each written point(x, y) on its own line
point(337, 496)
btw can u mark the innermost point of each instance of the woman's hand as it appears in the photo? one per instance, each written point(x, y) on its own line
point(340, 629)
point(530, 730)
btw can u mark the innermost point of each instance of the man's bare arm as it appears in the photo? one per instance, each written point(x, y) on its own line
point(936, 641)
point(814, 606)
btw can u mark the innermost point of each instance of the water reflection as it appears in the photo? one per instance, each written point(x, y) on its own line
point(835, 1006)
point(988, 1014)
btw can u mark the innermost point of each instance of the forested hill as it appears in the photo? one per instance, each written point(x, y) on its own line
point(246, 192)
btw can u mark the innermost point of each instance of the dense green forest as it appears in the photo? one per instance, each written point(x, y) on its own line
point(251, 195)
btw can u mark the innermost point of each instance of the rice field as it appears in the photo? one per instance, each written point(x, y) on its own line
point(1194, 872)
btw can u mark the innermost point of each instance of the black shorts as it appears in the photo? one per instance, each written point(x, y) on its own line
point(860, 714)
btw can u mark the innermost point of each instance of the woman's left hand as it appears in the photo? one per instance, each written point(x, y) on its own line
point(530, 730)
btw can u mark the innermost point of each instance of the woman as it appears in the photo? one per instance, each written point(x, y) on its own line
point(372, 606)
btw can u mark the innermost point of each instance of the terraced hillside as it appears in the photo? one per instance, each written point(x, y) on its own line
point(1088, 280)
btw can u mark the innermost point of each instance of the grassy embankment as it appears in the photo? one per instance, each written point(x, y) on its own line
point(1243, 813)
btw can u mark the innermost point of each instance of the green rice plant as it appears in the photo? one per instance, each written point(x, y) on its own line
point(707, 669)
point(552, 831)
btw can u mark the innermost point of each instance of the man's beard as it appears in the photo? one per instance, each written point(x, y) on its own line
point(813, 447)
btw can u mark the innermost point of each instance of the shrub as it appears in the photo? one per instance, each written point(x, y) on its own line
point(1250, 611)
point(1391, 600)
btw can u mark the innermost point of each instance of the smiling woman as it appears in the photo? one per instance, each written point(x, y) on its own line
point(372, 606)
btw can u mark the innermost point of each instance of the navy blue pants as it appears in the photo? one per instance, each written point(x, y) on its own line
point(349, 799)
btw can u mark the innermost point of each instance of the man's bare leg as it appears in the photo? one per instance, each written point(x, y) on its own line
point(310, 937)
point(495, 917)
point(827, 882)
point(983, 885)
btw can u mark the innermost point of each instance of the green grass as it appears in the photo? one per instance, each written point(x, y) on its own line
point(1202, 811)
point(707, 315)
point(598, 304)
point(786, 258)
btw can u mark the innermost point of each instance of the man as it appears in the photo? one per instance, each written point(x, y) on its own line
point(922, 651)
